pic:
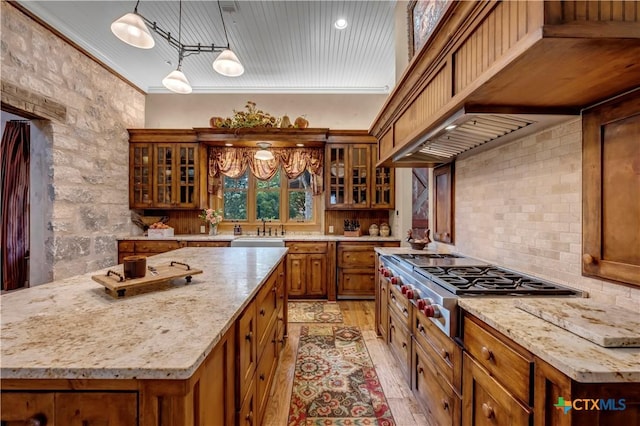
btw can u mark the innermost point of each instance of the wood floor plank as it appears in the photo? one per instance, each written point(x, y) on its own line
point(406, 410)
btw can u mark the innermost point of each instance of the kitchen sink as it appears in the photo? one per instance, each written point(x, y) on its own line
point(257, 242)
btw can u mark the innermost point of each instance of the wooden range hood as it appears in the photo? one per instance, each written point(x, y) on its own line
point(504, 69)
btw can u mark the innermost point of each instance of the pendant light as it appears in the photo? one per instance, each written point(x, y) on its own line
point(134, 29)
point(176, 81)
point(263, 153)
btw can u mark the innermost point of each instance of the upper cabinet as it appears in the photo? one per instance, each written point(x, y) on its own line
point(352, 180)
point(164, 169)
point(611, 190)
point(500, 69)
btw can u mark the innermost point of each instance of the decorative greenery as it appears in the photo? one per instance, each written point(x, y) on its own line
point(211, 216)
point(252, 117)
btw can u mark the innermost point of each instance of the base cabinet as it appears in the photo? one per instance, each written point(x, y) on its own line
point(357, 268)
point(307, 265)
point(151, 247)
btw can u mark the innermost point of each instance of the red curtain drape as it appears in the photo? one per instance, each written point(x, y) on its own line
point(233, 162)
point(14, 160)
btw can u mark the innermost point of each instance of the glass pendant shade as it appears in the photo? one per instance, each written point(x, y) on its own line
point(228, 64)
point(177, 82)
point(131, 29)
point(264, 155)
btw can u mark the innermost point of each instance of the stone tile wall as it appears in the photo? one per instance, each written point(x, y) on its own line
point(88, 184)
point(520, 205)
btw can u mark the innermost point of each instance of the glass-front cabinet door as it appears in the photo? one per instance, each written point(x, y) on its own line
point(360, 167)
point(337, 177)
point(163, 175)
point(187, 166)
point(140, 160)
point(383, 186)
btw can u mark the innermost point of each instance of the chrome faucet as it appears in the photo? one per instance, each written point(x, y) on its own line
point(264, 227)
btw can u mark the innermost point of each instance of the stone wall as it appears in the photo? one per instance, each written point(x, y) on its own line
point(88, 185)
point(520, 205)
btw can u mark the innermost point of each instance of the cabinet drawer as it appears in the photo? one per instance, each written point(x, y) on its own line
point(156, 246)
point(400, 344)
point(126, 246)
point(21, 407)
point(207, 243)
point(356, 257)
point(443, 352)
point(400, 305)
point(306, 247)
point(266, 306)
point(249, 410)
point(356, 282)
point(442, 402)
point(504, 363)
point(487, 401)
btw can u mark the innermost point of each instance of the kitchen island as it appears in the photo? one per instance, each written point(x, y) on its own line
point(159, 357)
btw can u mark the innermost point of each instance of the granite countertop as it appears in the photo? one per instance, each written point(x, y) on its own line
point(287, 237)
point(576, 357)
point(72, 329)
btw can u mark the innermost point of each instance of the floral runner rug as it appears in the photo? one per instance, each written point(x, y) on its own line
point(314, 312)
point(335, 382)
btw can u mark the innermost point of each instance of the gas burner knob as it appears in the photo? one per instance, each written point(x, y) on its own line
point(395, 280)
point(387, 273)
point(424, 302)
point(410, 293)
point(431, 311)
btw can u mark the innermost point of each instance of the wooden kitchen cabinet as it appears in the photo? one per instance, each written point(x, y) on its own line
point(357, 268)
point(352, 179)
point(164, 169)
point(69, 408)
point(443, 203)
point(307, 269)
point(151, 247)
point(611, 190)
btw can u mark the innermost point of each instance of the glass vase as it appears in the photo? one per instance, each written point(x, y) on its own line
point(213, 229)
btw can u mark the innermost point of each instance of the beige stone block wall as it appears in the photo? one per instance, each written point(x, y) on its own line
point(520, 206)
point(88, 183)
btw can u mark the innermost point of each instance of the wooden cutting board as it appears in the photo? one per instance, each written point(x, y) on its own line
point(604, 325)
point(117, 286)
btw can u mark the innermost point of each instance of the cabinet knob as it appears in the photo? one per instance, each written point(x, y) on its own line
point(262, 376)
point(36, 420)
point(262, 312)
point(444, 354)
point(486, 353)
point(420, 370)
point(249, 417)
point(487, 410)
point(249, 335)
point(445, 404)
point(421, 328)
point(404, 345)
point(588, 259)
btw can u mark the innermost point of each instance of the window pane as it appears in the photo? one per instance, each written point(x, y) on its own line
point(301, 198)
point(235, 197)
point(268, 198)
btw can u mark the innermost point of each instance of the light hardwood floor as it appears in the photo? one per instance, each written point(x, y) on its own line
point(406, 411)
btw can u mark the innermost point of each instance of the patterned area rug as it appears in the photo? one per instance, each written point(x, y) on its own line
point(335, 382)
point(314, 312)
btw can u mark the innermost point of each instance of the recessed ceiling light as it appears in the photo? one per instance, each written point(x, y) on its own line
point(341, 23)
point(228, 144)
point(299, 144)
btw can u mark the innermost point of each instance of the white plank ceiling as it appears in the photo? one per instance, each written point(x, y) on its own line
point(285, 46)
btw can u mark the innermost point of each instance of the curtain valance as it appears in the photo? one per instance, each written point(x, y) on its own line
point(233, 162)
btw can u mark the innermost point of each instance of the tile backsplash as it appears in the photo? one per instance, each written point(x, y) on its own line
point(520, 205)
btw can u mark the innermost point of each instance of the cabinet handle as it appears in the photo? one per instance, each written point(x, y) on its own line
point(262, 312)
point(36, 420)
point(262, 376)
point(249, 336)
point(274, 289)
point(588, 259)
point(445, 404)
point(444, 354)
point(421, 329)
point(487, 410)
point(486, 353)
point(392, 327)
point(420, 370)
point(404, 345)
point(249, 417)
point(280, 318)
point(405, 311)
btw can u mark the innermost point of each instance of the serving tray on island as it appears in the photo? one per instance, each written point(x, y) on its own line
point(117, 285)
point(607, 326)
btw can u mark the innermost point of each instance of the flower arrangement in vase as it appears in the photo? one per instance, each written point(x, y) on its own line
point(213, 218)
